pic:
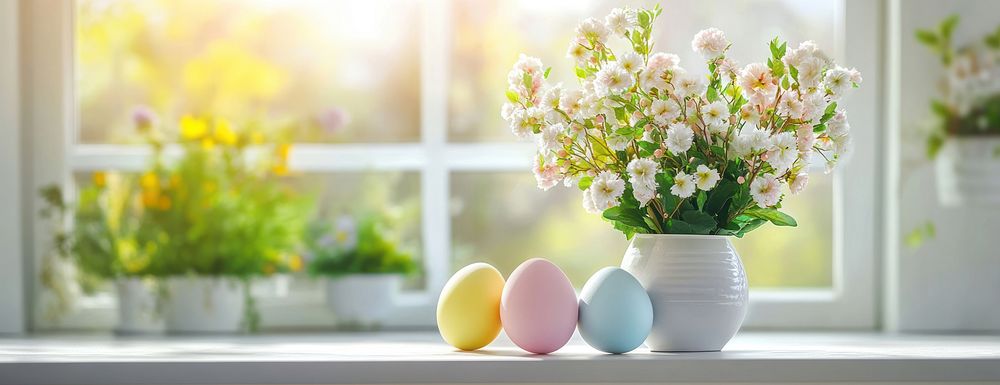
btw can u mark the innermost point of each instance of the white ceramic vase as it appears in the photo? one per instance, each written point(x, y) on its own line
point(969, 171)
point(197, 304)
point(697, 286)
point(137, 313)
point(362, 299)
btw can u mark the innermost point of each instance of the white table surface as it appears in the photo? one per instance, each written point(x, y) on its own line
point(421, 357)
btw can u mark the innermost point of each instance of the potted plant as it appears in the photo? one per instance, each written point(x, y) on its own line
point(680, 162)
point(362, 266)
point(105, 244)
point(220, 218)
point(965, 139)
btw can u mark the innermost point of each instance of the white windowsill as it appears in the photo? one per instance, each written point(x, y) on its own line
point(423, 358)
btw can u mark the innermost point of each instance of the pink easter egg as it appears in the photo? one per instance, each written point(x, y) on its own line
point(538, 307)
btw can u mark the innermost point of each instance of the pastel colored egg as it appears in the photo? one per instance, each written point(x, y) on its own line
point(615, 311)
point(538, 307)
point(468, 310)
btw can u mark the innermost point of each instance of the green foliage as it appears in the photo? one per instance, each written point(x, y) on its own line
point(939, 39)
point(921, 234)
point(366, 249)
point(217, 213)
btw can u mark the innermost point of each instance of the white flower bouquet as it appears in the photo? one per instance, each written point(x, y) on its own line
point(970, 102)
point(661, 150)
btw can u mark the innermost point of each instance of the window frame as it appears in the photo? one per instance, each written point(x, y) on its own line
point(51, 127)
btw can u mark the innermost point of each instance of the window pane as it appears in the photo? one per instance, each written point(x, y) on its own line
point(794, 257)
point(503, 219)
point(395, 196)
point(326, 69)
point(489, 35)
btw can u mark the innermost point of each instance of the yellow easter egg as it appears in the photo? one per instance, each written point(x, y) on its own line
point(468, 311)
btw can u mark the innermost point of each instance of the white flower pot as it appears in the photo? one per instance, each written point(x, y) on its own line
point(697, 286)
point(204, 305)
point(137, 313)
point(362, 299)
point(969, 171)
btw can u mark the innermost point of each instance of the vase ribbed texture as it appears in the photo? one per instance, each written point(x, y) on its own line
point(697, 286)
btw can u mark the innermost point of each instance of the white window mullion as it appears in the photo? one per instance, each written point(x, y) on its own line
point(434, 186)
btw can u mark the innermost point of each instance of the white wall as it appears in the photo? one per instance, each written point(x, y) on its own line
point(11, 257)
point(952, 281)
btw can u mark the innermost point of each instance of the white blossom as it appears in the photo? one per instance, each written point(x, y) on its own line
point(591, 30)
point(631, 62)
point(612, 79)
point(679, 138)
point(664, 111)
point(706, 178)
point(644, 193)
point(578, 52)
point(684, 185)
point(620, 20)
point(710, 43)
point(766, 190)
point(690, 85)
point(715, 112)
point(606, 188)
point(643, 171)
point(838, 125)
point(548, 139)
point(546, 175)
point(783, 153)
point(805, 138)
point(797, 182)
point(757, 81)
point(838, 80)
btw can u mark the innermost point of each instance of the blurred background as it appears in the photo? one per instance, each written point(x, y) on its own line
point(390, 108)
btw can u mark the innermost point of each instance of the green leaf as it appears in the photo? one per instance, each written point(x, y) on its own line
point(712, 94)
point(702, 197)
point(940, 109)
point(719, 195)
point(718, 151)
point(626, 215)
point(585, 182)
point(928, 38)
point(700, 222)
point(581, 73)
point(819, 128)
point(752, 225)
point(773, 215)
point(546, 74)
point(512, 96)
point(947, 26)
point(794, 72)
point(644, 19)
point(777, 50)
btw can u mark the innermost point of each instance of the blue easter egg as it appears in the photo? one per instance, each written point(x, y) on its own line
point(615, 311)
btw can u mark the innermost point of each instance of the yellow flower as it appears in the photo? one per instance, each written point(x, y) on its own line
point(193, 128)
point(224, 133)
point(100, 178)
point(283, 150)
point(280, 169)
point(208, 144)
point(295, 263)
point(150, 198)
point(150, 181)
point(163, 203)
